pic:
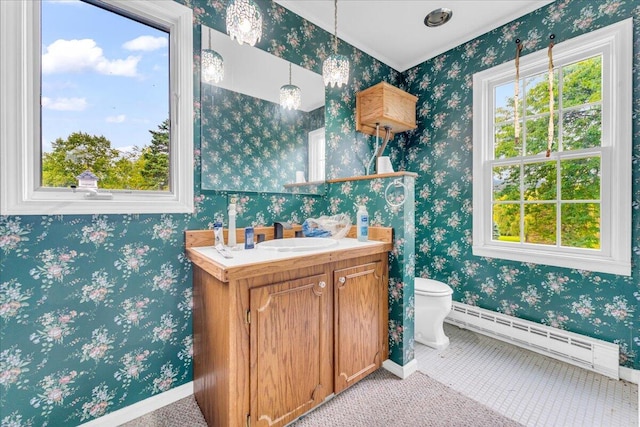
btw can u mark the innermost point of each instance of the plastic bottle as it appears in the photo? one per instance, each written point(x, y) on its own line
point(362, 224)
point(232, 224)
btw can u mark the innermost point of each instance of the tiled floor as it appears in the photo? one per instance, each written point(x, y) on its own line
point(532, 389)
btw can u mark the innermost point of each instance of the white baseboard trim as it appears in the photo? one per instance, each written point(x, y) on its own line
point(141, 408)
point(400, 371)
point(631, 375)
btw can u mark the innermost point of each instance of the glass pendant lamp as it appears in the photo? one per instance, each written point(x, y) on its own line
point(211, 64)
point(335, 69)
point(244, 21)
point(290, 95)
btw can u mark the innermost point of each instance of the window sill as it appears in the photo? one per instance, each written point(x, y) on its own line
point(68, 203)
point(596, 263)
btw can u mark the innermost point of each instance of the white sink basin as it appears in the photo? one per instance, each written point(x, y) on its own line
point(297, 244)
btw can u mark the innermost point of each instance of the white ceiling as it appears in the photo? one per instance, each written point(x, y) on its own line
point(393, 31)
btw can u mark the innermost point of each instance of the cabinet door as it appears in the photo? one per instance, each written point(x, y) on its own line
point(360, 302)
point(290, 329)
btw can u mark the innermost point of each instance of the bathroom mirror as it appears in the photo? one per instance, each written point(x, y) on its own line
point(249, 142)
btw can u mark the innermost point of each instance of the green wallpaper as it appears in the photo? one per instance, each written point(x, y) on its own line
point(95, 310)
point(599, 305)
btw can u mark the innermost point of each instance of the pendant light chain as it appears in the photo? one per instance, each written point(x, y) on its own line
point(551, 101)
point(335, 68)
point(335, 26)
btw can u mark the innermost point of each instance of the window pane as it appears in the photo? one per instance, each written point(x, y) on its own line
point(538, 134)
point(581, 225)
point(582, 82)
point(104, 99)
point(540, 181)
point(505, 144)
point(504, 102)
point(540, 223)
point(506, 183)
point(581, 179)
point(537, 96)
point(582, 128)
point(506, 222)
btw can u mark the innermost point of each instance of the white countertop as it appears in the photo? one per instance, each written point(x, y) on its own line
point(253, 256)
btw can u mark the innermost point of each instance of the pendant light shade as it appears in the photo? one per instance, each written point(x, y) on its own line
point(290, 95)
point(335, 69)
point(244, 21)
point(211, 64)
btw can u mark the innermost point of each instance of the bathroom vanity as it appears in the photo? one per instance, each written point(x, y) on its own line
point(278, 332)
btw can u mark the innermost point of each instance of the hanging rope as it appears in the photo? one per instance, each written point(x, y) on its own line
point(551, 103)
point(516, 93)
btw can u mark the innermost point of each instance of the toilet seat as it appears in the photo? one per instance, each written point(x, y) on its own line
point(432, 287)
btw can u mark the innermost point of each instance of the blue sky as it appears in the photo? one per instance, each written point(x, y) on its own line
point(102, 74)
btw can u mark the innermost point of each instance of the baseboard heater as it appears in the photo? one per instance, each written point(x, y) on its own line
point(589, 353)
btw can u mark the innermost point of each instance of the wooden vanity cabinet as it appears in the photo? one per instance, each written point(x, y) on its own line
point(271, 346)
point(290, 347)
point(360, 321)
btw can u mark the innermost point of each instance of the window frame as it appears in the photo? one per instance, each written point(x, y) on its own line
point(20, 147)
point(615, 43)
point(317, 154)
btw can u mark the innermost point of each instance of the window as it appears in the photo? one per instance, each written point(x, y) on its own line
point(571, 208)
point(26, 130)
point(316, 155)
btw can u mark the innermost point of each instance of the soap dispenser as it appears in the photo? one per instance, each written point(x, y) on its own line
point(232, 223)
point(362, 224)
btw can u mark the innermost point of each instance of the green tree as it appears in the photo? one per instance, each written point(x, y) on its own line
point(71, 156)
point(155, 159)
point(580, 178)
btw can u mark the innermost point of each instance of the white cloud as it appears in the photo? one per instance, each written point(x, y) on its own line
point(146, 43)
point(64, 104)
point(116, 119)
point(64, 56)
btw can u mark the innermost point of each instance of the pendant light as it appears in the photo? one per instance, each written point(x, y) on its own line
point(244, 21)
point(290, 95)
point(335, 69)
point(211, 64)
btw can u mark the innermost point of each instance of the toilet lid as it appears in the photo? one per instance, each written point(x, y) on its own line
point(431, 286)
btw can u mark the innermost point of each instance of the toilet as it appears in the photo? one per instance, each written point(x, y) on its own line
point(433, 303)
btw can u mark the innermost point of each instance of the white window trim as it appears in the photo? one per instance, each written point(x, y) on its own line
point(20, 119)
point(616, 41)
point(317, 155)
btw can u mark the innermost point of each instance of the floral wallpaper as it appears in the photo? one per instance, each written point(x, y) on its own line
point(599, 305)
point(252, 144)
point(95, 310)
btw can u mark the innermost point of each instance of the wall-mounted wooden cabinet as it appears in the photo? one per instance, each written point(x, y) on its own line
point(272, 343)
point(386, 105)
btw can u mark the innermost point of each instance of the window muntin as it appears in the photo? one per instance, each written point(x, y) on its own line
point(531, 181)
point(570, 209)
point(104, 98)
point(20, 190)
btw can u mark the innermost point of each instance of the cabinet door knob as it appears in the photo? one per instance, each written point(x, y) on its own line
point(342, 279)
point(322, 284)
